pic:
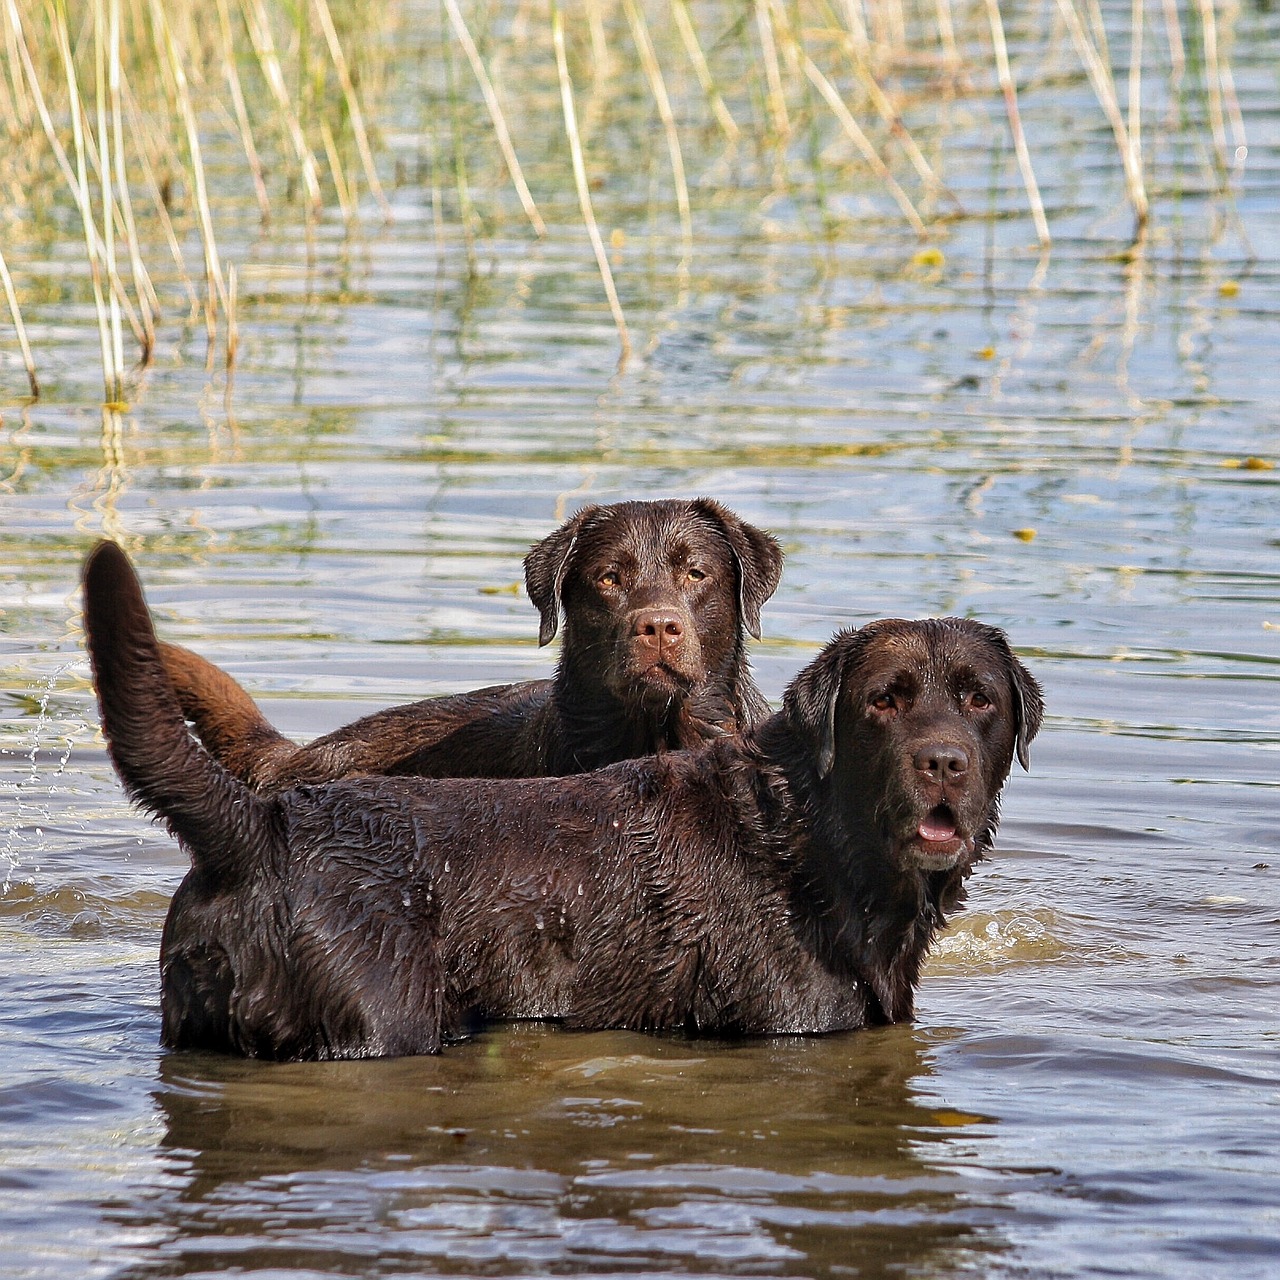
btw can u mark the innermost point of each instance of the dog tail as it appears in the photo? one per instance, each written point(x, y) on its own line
point(224, 716)
point(219, 819)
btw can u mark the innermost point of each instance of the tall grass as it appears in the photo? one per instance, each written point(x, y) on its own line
point(111, 106)
point(119, 98)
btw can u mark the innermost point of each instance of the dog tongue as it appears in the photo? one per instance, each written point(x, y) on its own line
point(937, 828)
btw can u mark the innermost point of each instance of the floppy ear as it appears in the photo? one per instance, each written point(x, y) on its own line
point(544, 571)
point(1028, 702)
point(755, 553)
point(811, 699)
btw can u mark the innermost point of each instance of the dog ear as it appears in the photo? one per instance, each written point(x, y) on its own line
point(545, 568)
point(1024, 689)
point(811, 699)
point(1028, 702)
point(756, 554)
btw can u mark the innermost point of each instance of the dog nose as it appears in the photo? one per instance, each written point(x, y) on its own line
point(941, 762)
point(657, 629)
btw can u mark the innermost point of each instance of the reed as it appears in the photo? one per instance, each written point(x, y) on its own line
point(658, 87)
point(122, 95)
point(496, 114)
point(352, 101)
point(1098, 69)
point(122, 102)
point(11, 297)
point(580, 180)
point(1004, 77)
point(702, 69)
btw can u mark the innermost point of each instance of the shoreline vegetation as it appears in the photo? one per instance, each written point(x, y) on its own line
point(111, 110)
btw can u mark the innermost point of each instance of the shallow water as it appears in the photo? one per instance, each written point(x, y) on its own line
point(1092, 1084)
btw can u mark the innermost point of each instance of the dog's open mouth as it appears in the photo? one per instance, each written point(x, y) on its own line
point(937, 842)
point(938, 826)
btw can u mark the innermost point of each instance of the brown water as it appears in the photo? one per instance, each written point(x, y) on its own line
point(1092, 1086)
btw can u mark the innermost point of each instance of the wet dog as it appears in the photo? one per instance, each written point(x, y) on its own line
point(787, 880)
point(657, 598)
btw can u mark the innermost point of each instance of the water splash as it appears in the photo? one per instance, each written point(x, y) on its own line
point(981, 940)
point(25, 836)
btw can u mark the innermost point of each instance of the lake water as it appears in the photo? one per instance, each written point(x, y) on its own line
point(1082, 450)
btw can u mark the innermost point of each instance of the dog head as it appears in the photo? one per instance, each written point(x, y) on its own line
point(915, 725)
point(655, 595)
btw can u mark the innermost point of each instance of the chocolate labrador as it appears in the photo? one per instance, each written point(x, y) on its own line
point(657, 599)
point(788, 880)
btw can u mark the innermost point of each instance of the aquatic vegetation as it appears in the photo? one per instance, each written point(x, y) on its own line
point(140, 130)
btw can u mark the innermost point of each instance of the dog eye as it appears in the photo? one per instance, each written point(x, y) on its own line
point(883, 702)
point(978, 700)
point(696, 575)
point(610, 579)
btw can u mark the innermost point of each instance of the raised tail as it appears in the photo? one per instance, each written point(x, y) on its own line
point(219, 819)
point(226, 718)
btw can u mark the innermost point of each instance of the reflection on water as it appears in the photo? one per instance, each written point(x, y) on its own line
point(1084, 451)
point(529, 1147)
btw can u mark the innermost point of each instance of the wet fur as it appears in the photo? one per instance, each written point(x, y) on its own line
point(764, 884)
point(604, 704)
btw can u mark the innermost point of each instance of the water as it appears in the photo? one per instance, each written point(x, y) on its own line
point(1092, 1085)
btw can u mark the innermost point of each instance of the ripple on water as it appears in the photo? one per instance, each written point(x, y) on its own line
point(84, 909)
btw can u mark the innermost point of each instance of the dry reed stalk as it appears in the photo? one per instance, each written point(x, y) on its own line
point(1177, 51)
point(888, 113)
point(1136, 34)
point(1219, 87)
point(776, 97)
point(37, 99)
point(346, 201)
point(946, 32)
point(112, 373)
point(1094, 9)
point(580, 180)
point(856, 22)
point(1007, 87)
point(21, 57)
point(862, 142)
point(148, 300)
point(353, 105)
point(895, 24)
point(1231, 102)
point(1104, 88)
point(107, 173)
point(259, 29)
point(595, 100)
point(600, 59)
point(689, 37)
point(500, 129)
point(115, 191)
point(117, 293)
point(15, 109)
point(138, 127)
point(15, 313)
point(236, 89)
point(216, 291)
point(657, 86)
